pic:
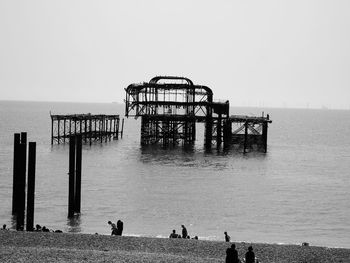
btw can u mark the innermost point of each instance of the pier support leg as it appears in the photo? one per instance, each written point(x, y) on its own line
point(227, 133)
point(52, 131)
point(264, 136)
point(245, 137)
point(208, 132)
point(121, 133)
point(58, 131)
point(219, 131)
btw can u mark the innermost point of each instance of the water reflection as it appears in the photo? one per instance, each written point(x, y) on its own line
point(74, 224)
point(198, 157)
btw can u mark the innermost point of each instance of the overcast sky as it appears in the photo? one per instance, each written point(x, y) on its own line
point(251, 52)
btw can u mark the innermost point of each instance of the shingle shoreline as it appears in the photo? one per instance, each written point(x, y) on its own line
point(65, 247)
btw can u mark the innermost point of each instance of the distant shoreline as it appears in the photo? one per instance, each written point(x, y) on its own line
point(65, 247)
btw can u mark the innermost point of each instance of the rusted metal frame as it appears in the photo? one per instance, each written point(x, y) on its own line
point(239, 129)
point(252, 129)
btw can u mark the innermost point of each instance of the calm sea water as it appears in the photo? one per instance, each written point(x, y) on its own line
point(298, 192)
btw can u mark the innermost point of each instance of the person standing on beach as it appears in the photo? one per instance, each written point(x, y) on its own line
point(250, 256)
point(229, 255)
point(119, 227)
point(232, 255)
point(184, 232)
point(227, 237)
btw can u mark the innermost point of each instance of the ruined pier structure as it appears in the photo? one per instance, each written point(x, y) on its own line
point(170, 107)
point(91, 127)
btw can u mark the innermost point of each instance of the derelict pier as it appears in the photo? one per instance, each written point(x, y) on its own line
point(170, 107)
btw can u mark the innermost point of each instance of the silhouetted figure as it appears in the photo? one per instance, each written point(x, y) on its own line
point(4, 227)
point(44, 229)
point(120, 227)
point(113, 228)
point(228, 255)
point(196, 237)
point(184, 231)
point(227, 237)
point(232, 254)
point(250, 256)
point(173, 235)
point(37, 227)
point(58, 231)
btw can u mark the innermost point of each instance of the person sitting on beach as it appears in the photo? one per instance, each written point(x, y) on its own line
point(184, 231)
point(173, 235)
point(37, 227)
point(250, 256)
point(119, 227)
point(227, 237)
point(44, 229)
point(113, 228)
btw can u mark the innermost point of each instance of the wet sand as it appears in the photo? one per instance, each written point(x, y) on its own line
point(65, 247)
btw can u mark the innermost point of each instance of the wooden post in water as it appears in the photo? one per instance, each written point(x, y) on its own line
point(31, 186)
point(16, 164)
point(71, 173)
point(77, 202)
point(21, 186)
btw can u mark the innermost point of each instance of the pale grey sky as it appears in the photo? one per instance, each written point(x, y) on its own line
point(252, 52)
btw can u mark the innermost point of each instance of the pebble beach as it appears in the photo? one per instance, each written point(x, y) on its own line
point(71, 247)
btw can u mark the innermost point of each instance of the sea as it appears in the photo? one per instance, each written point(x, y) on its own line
point(299, 191)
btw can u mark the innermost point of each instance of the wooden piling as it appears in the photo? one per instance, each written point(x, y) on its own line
point(77, 195)
point(21, 185)
point(17, 140)
point(31, 186)
point(71, 187)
